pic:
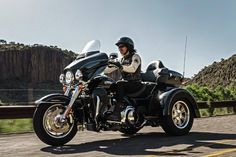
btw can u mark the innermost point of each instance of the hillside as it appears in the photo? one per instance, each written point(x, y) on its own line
point(222, 73)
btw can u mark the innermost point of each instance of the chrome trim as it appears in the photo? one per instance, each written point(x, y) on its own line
point(124, 113)
point(142, 125)
point(53, 125)
point(72, 77)
point(78, 75)
point(72, 100)
point(180, 114)
point(61, 78)
point(67, 92)
point(37, 102)
point(97, 107)
point(114, 122)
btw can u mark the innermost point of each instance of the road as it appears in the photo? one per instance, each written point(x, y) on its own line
point(209, 137)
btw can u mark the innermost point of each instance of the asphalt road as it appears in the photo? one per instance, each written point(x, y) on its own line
point(209, 137)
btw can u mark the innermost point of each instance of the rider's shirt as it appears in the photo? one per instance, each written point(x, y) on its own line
point(131, 67)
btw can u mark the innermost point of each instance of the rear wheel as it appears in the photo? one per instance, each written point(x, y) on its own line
point(48, 126)
point(179, 121)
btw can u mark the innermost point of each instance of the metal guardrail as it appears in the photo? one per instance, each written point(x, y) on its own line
point(217, 104)
point(27, 111)
point(15, 112)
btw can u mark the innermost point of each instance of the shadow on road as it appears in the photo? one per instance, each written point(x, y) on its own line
point(141, 144)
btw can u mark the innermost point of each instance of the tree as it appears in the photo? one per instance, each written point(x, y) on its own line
point(3, 41)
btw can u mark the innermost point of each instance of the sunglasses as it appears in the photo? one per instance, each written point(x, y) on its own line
point(121, 46)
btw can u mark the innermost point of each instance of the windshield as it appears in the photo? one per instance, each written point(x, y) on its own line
point(90, 48)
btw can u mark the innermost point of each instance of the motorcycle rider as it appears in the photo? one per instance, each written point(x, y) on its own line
point(130, 69)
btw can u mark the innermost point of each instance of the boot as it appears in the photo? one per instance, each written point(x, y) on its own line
point(116, 114)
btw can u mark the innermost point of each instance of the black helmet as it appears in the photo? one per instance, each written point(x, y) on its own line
point(126, 41)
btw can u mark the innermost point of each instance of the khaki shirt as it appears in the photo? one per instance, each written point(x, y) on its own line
point(136, 61)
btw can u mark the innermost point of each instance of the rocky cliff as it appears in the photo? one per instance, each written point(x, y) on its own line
point(23, 66)
point(219, 73)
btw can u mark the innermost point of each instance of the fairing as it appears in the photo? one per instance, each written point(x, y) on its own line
point(90, 61)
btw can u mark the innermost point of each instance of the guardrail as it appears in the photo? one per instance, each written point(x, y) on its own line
point(217, 104)
point(27, 111)
point(16, 112)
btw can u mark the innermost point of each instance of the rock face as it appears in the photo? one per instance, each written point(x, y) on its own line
point(31, 65)
point(219, 73)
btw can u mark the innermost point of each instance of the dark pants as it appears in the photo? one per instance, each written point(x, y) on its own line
point(126, 87)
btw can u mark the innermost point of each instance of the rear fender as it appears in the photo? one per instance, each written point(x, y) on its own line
point(166, 98)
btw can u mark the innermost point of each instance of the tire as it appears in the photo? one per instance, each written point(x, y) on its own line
point(179, 120)
point(41, 130)
point(129, 130)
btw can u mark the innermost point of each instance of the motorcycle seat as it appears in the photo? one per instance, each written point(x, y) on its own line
point(155, 72)
point(158, 73)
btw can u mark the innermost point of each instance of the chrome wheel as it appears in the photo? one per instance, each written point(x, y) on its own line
point(180, 114)
point(53, 123)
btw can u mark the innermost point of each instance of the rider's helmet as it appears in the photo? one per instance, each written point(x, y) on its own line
point(126, 41)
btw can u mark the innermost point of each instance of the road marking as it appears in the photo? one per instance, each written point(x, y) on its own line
point(222, 152)
point(216, 142)
point(225, 141)
point(216, 154)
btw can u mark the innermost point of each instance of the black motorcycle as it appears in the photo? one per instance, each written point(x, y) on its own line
point(90, 96)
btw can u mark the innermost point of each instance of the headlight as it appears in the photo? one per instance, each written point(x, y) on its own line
point(69, 77)
point(61, 78)
point(78, 75)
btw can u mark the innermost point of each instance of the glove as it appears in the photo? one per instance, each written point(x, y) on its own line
point(117, 64)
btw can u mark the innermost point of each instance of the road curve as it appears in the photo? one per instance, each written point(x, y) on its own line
point(209, 137)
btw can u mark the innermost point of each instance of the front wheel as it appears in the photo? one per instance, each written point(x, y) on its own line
point(179, 121)
point(49, 128)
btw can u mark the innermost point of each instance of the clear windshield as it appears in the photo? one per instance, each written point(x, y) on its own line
point(90, 48)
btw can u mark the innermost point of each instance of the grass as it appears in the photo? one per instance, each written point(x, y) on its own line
point(15, 125)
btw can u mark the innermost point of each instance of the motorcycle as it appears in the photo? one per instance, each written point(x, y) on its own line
point(90, 96)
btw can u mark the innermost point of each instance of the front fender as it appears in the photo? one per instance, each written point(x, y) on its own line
point(62, 99)
point(53, 98)
point(166, 98)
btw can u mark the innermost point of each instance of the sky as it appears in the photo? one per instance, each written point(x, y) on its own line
point(158, 27)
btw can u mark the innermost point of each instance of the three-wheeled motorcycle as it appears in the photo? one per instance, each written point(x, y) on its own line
point(90, 96)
